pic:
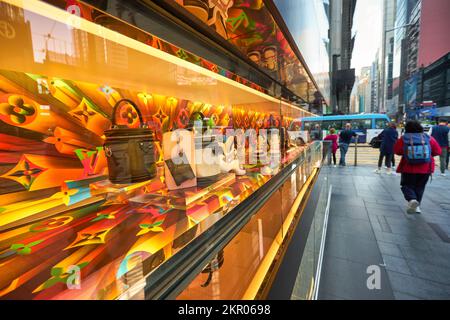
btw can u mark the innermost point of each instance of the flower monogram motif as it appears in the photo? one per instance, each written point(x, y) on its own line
point(130, 115)
point(16, 111)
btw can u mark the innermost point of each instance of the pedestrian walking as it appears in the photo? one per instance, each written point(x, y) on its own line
point(333, 137)
point(448, 149)
point(417, 164)
point(440, 133)
point(345, 137)
point(388, 138)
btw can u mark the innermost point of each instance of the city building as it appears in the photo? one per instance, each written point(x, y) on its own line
point(400, 59)
point(387, 49)
point(375, 84)
point(354, 98)
point(341, 48)
point(361, 94)
point(425, 80)
point(413, 32)
point(365, 90)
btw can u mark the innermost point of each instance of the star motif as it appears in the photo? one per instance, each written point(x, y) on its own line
point(183, 118)
point(153, 227)
point(160, 116)
point(25, 172)
point(246, 121)
point(88, 238)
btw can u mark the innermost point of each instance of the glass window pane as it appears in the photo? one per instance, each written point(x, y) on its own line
point(380, 123)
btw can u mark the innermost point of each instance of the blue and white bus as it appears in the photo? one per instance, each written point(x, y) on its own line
point(366, 126)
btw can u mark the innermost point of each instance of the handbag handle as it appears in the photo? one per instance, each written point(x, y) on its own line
point(118, 103)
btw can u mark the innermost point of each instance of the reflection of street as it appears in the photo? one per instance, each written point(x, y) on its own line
point(365, 156)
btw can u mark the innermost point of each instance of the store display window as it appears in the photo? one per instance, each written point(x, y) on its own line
point(95, 115)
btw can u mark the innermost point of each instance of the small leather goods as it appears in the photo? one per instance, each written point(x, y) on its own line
point(129, 151)
point(179, 159)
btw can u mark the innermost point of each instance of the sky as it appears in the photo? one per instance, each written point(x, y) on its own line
point(367, 24)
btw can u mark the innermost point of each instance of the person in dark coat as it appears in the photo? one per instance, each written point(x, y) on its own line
point(316, 133)
point(345, 137)
point(388, 138)
point(441, 134)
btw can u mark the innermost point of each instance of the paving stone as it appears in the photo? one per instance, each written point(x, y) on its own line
point(350, 222)
point(400, 239)
point(430, 272)
point(396, 264)
point(404, 296)
point(413, 286)
point(335, 246)
point(390, 249)
point(383, 212)
point(357, 233)
point(347, 246)
point(349, 280)
point(414, 231)
point(356, 214)
point(382, 207)
point(376, 226)
point(425, 255)
point(387, 202)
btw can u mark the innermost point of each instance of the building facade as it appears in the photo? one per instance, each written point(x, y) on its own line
point(400, 55)
point(375, 84)
point(365, 90)
point(387, 49)
point(426, 79)
point(341, 48)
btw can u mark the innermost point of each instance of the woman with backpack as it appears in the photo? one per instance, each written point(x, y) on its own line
point(417, 164)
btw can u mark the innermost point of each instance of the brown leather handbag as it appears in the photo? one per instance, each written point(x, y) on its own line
point(129, 151)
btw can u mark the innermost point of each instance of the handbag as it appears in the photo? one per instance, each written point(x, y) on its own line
point(129, 151)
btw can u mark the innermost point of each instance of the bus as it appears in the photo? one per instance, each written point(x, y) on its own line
point(367, 126)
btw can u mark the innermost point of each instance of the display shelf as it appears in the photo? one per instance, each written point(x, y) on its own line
point(108, 239)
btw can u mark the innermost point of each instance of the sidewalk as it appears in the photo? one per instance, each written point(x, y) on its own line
point(368, 225)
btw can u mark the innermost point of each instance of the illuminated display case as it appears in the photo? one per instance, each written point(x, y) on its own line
point(66, 231)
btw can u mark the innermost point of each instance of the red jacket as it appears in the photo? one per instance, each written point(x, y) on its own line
point(333, 138)
point(424, 168)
